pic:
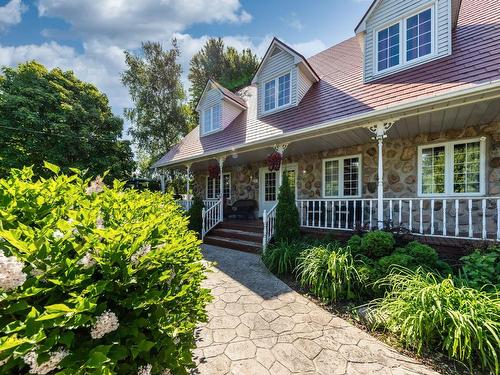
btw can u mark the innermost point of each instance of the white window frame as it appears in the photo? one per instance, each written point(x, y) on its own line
point(276, 93)
point(449, 168)
point(216, 193)
point(403, 63)
point(203, 115)
point(341, 177)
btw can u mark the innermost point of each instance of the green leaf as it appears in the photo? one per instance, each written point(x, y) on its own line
point(51, 167)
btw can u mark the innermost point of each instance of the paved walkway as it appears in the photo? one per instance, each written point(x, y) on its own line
point(259, 326)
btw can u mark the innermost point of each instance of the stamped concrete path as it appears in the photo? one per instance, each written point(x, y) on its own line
point(258, 325)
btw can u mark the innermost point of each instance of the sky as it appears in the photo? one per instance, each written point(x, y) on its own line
point(89, 36)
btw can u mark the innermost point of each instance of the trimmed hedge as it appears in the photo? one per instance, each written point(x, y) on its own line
point(95, 280)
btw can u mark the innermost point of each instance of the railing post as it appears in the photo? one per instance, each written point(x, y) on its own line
point(203, 212)
point(264, 237)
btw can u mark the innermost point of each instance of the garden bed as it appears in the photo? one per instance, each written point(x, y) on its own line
point(454, 312)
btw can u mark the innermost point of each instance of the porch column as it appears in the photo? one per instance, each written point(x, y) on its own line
point(222, 159)
point(188, 177)
point(280, 149)
point(380, 129)
point(162, 182)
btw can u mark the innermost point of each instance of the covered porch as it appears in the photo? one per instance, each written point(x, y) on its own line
point(432, 172)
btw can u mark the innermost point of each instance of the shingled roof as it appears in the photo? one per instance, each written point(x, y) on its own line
point(341, 92)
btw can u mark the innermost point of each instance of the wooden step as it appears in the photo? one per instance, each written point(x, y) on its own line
point(228, 243)
point(242, 225)
point(237, 234)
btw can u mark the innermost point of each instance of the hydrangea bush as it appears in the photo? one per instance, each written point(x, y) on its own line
point(95, 280)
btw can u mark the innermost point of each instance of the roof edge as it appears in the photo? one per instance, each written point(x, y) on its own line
point(387, 111)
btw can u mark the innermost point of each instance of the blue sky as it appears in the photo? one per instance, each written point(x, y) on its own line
point(89, 36)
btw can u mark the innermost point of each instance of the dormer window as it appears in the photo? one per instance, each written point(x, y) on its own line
point(212, 119)
point(277, 92)
point(406, 41)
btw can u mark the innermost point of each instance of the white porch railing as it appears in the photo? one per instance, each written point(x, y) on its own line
point(460, 217)
point(186, 204)
point(269, 221)
point(212, 216)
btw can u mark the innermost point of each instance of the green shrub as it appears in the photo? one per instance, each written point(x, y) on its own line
point(287, 215)
point(424, 255)
point(482, 269)
point(428, 312)
point(329, 272)
point(377, 244)
point(354, 243)
point(281, 258)
point(403, 260)
point(100, 280)
point(195, 215)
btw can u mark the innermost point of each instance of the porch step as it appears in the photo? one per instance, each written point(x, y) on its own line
point(243, 235)
point(237, 234)
point(230, 243)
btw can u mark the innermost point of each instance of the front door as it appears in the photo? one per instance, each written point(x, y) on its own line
point(268, 189)
point(292, 170)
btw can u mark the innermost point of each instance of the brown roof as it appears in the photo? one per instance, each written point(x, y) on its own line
point(229, 94)
point(341, 92)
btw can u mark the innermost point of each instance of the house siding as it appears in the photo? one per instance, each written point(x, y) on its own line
point(392, 10)
point(276, 65)
point(303, 85)
point(229, 113)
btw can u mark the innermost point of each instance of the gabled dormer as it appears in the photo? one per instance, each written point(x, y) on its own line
point(282, 79)
point(217, 108)
point(399, 34)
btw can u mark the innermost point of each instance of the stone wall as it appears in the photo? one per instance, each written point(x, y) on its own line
point(400, 167)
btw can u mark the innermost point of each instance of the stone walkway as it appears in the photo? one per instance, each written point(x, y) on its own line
point(258, 325)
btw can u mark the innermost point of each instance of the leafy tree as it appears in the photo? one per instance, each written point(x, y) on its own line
point(287, 215)
point(227, 66)
point(53, 116)
point(195, 215)
point(159, 116)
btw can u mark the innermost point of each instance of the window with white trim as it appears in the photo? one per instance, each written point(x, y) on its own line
point(277, 92)
point(213, 186)
point(342, 177)
point(212, 119)
point(452, 168)
point(406, 41)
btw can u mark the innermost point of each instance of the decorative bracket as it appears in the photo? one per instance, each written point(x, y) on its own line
point(221, 161)
point(380, 128)
point(280, 148)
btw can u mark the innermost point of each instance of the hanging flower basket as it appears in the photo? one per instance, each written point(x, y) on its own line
point(274, 161)
point(213, 171)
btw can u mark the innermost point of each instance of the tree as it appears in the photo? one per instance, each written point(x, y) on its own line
point(287, 215)
point(53, 116)
point(227, 66)
point(159, 116)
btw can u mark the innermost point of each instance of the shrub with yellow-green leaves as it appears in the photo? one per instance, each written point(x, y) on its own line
point(95, 280)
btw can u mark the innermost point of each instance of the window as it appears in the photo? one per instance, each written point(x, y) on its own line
point(277, 92)
point(341, 177)
point(406, 41)
point(418, 35)
point(211, 119)
point(213, 187)
point(452, 168)
point(388, 47)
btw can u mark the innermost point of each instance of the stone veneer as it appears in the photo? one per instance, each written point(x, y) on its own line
point(400, 166)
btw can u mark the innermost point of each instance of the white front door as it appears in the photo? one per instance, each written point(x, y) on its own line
point(268, 189)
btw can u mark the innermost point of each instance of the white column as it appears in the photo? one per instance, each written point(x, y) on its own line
point(188, 178)
point(162, 183)
point(380, 129)
point(221, 176)
point(280, 149)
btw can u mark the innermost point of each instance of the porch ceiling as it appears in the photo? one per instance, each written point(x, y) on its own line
point(472, 114)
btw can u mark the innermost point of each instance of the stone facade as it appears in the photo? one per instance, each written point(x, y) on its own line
point(400, 166)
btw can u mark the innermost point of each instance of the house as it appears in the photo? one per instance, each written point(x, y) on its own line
point(399, 124)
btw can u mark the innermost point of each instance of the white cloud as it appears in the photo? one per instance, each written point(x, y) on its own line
point(127, 23)
point(11, 14)
point(293, 21)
